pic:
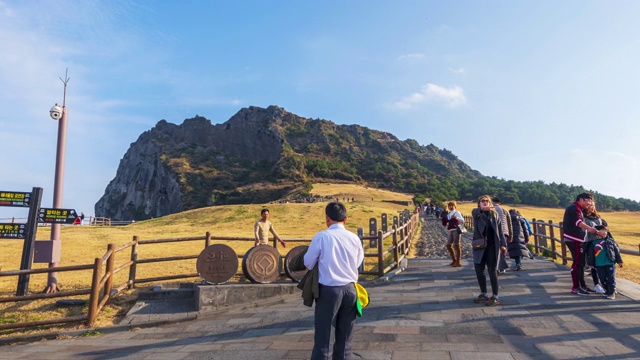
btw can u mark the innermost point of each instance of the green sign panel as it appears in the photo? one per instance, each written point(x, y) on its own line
point(12, 198)
point(13, 231)
point(57, 216)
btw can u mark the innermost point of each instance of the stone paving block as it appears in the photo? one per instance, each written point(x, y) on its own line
point(461, 355)
point(199, 347)
point(420, 355)
point(609, 346)
point(396, 330)
point(448, 346)
point(568, 350)
point(373, 354)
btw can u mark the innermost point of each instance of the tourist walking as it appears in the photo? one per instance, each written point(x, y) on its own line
point(507, 230)
point(517, 248)
point(454, 219)
point(487, 226)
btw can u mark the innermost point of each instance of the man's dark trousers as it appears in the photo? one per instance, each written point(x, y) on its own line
point(335, 310)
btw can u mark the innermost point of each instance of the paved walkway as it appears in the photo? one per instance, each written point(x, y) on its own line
point(425, 312)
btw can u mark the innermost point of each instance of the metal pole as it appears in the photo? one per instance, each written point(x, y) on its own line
point(58, 187)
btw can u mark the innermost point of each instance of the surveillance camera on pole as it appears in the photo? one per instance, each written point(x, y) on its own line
point(56, 112)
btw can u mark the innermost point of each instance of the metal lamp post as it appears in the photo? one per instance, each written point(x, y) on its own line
point(60, 114)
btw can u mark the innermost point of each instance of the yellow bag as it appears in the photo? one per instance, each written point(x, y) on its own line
point(362, 298)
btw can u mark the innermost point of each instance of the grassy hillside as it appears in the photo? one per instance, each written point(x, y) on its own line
point(81, 244)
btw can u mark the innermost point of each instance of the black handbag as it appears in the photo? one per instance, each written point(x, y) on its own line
point(477, 244)
point(461, 229)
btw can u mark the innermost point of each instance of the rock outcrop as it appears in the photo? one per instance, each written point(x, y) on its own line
point(260, 155)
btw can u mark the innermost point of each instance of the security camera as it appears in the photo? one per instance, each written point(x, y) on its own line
point(55, 112)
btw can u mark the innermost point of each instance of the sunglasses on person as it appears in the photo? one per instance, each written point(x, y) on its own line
point(484, 200)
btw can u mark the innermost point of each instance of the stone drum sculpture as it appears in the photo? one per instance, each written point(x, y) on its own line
point(261, 264)
point(217, 264)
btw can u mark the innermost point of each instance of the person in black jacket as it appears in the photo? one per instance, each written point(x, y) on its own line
point(607, 254)
point(517, 248)
point(574, 232)
point(487, 224)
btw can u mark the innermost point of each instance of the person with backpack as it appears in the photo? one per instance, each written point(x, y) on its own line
point(607, 254)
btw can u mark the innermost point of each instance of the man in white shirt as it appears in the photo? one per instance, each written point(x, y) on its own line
point(338, 254)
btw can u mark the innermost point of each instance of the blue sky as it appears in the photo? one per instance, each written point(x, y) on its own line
point(521, 90)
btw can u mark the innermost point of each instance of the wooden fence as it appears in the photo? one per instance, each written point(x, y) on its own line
point(104, 269)
point(547, 239)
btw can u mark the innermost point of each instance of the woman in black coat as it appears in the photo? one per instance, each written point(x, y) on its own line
point(517, 248)
point(487, 225)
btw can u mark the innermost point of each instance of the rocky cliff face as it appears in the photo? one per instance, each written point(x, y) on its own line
point(143, 187)
point(260, 155)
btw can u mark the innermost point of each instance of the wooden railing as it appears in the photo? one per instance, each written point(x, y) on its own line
point(547, 237)
point(547, 240)
point(104, 269)
point(100, 291)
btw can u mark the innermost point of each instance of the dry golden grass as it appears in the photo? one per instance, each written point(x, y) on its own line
point(82, 244)
point(624, 226)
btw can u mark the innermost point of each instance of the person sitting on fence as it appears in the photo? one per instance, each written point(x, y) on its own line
point(454, 218)
point(607, 254)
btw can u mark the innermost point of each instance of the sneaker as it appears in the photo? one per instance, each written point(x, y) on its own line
point(518, 268)
point(579, 292)
point(611, 297)
point(598, 288)
point(589, 290)
point(481, 299)
point(494, 301)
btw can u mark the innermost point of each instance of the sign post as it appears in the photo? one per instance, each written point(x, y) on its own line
point(25, 231)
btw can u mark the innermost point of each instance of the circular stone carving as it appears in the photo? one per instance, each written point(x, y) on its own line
point(261, 264)
point(294, 275)
point(217, 263)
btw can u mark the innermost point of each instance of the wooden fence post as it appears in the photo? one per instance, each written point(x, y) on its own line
point(563, 245)
point(380, 258)
point(109, 270)
point(394, 237)
point(553, 240)
point(95, 292)
point(207, 239)
point(134, 262)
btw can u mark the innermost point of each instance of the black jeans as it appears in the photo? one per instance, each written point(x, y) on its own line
point(489, 261)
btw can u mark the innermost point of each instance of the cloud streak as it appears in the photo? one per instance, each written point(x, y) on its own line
point(452, 97)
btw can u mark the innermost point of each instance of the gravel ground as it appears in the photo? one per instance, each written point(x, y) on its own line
point(433, 239)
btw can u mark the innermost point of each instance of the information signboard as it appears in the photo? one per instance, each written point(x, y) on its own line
point(12, 198)
point(13, 231)
point(57, 216)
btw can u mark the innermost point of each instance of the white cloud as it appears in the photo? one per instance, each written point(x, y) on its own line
point(411, 56)
point(459, 70)
point(431, 93)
